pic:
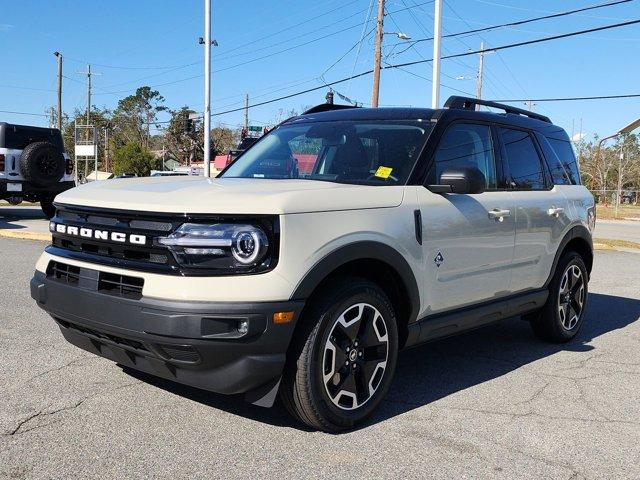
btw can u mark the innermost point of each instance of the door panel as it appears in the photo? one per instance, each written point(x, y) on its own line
point(539, 231)
point(467, 254)
point(468, 239)
point(540, 215)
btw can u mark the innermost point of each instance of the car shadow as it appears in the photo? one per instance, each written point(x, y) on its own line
point(8, 215)
point(438, 369)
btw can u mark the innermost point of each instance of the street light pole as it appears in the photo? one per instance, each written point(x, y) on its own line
point(437, 38)
point(207, 88)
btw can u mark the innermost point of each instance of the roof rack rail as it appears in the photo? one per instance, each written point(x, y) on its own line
point(325, 107)
point(468, 103)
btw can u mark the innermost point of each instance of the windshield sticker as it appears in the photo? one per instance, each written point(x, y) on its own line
point(384, 172)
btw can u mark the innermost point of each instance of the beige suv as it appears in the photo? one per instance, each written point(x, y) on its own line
point(341, 237)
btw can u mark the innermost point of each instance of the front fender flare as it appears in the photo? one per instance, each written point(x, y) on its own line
point(363, 250)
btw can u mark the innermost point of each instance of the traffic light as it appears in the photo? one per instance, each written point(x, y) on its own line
point(188, 126)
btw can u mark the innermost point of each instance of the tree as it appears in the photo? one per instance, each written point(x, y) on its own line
point(181, 145)
point(134, 158)
point(134, 115)
point(223, 139)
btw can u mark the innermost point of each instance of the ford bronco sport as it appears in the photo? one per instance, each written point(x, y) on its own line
point(339, 238)
point(33, 165)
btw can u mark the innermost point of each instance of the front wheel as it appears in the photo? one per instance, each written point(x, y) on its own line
point(561, 317)
point(344, 357)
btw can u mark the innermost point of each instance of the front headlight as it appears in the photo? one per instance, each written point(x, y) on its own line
point(219, 246)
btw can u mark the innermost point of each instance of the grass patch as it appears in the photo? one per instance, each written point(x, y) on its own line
point(617, 243)
point(625, 211)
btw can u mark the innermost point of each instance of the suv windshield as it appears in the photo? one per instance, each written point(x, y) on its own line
point(369, 152)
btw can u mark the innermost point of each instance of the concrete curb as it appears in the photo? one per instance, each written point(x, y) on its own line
point(25, 235)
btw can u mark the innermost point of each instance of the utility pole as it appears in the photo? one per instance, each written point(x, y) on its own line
point(59, 57)
point(246, 112)
point(88, 94)
point(207, 88)
point(89, 74)
point(480, 74)
point(530, 105)
point(377, 57)
point(437, 39)
point(106, 148)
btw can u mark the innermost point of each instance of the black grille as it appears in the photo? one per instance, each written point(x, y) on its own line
point(141, 257)
point(64, 273)
point(96, 245)
point(181, 353)
point(120, 285)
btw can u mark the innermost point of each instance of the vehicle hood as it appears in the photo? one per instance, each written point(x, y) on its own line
point(229, 195)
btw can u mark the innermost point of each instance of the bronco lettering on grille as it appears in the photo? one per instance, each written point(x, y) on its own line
point(118, 237)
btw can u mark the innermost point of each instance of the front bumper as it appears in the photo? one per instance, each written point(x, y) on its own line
point(188, 342)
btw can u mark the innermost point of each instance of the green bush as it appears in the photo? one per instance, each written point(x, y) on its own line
point(134, 158)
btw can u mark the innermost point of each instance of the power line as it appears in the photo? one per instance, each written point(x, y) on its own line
point(25, 113)
point(251, 60)
point(517, 100)
point(341, 7)
point(122, 67)
point(458, 55)
point(571, 99)
point(519, 22)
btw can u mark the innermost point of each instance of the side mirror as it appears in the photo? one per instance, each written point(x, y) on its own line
point(460, 180)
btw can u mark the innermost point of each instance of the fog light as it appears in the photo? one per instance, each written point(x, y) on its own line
point(243, 327)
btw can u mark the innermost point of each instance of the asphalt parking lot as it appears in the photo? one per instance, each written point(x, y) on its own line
point(492, 403)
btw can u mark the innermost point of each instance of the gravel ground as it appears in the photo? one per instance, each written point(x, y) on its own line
point(494, 403)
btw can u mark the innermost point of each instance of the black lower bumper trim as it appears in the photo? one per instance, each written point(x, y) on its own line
point(195, 343)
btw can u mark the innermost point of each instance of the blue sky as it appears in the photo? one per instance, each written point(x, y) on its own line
point(145, 42)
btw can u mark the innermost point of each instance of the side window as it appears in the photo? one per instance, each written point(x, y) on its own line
point(466, 145)
point(525, 168)
point(562, 164)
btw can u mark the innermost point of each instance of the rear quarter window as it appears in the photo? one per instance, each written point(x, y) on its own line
point(562, 162)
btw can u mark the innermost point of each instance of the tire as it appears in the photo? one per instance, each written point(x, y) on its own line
point(46, 204)
point(336, 376)
point(42, 164)
point(562, 316)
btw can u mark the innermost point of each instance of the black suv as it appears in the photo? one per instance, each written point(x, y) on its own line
point(33, 165)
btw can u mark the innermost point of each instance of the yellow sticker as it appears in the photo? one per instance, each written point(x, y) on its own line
point(384, 172)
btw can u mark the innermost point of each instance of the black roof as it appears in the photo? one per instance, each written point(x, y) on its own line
point(457, 106)
point(7, 124)
point(358, 113)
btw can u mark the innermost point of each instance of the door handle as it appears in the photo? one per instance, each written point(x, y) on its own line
point(499, 214)
point(555, 211)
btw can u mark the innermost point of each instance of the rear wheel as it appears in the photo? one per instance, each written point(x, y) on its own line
point(46, 204)
point(343, 358)
point(561, 317)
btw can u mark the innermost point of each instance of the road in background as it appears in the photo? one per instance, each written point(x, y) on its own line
point(628, 230)
point(25, 217)
point(493, 403)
